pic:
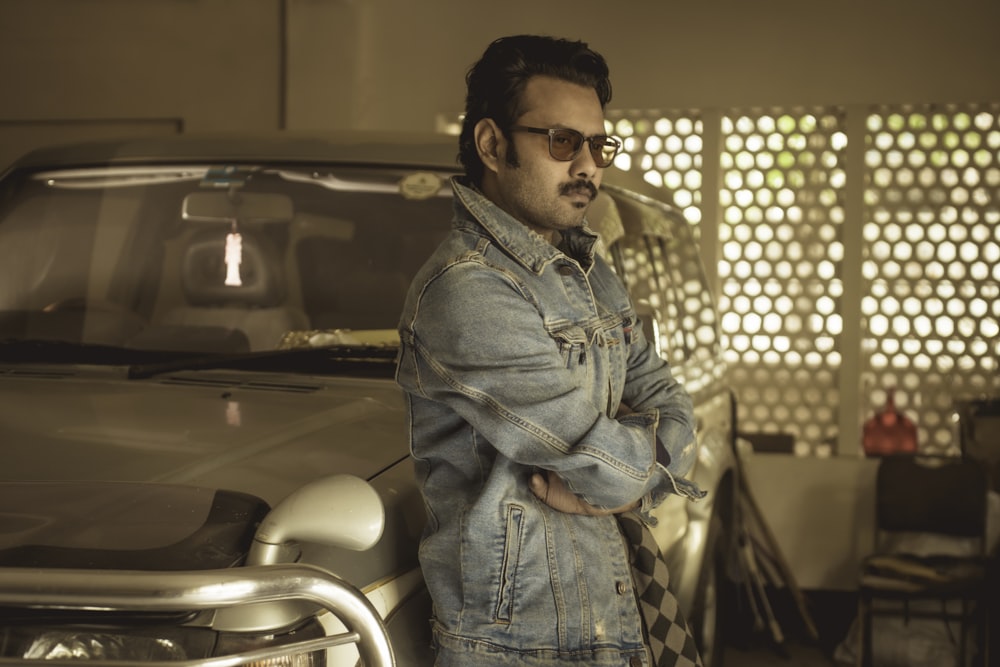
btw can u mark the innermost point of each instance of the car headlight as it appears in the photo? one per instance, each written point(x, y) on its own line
point(55, 645)
point(148, 644)
point(232, 644)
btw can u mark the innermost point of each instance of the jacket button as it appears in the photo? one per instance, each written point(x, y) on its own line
point(620, 587)
point(635, 661)
point(565, 270)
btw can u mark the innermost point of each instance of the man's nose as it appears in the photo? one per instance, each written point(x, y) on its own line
point(584, 165)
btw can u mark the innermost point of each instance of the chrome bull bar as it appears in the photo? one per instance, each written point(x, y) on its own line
point(166, 591)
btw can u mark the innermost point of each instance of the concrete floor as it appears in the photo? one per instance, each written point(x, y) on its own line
point(793, 655)
point(832, 614)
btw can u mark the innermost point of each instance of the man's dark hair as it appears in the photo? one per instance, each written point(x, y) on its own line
point(496, 83)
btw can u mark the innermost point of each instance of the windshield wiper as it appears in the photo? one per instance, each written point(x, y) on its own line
point(300, 361)
point(44, 351)
point(142, 364)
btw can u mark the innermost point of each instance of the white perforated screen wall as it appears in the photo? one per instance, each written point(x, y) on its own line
point(932, 260)
point(926, 276)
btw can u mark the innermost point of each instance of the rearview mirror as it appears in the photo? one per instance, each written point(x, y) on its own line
point(241, 206)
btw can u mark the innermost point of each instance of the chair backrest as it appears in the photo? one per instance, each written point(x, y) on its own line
point(257, 306)
point(980, 430)
point(940, 495)
point(203, 272)
point(348, 286)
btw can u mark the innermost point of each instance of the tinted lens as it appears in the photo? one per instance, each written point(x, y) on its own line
point(564, 144)
point(604, 150)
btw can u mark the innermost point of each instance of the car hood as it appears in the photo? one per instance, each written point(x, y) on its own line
point(168, 469)
point(259, 433)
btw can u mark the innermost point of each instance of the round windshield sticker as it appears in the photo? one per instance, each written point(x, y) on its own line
point(420, 185)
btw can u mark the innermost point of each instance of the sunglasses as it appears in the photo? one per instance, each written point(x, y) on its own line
point(565, 144)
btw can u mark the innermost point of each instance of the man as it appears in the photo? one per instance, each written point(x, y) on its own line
point(538, 409)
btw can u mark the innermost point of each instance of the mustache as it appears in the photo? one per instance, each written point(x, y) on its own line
point(579, 186)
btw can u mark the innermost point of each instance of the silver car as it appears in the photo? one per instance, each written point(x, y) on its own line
point(205, 456)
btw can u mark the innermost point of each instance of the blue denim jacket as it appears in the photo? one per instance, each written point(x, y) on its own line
point(515, 357)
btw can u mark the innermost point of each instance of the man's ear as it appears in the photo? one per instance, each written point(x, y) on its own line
point(488, 139)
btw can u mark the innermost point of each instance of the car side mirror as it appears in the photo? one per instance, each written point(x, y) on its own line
point(337, 511)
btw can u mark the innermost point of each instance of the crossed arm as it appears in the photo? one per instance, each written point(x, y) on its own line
point(551, 490)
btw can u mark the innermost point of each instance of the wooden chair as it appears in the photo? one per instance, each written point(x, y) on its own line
point(916, 498)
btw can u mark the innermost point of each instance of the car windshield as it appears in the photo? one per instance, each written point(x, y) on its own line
point(214, 259)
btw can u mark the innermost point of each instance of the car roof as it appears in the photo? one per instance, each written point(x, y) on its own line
point(387, 148)
point(410, 150)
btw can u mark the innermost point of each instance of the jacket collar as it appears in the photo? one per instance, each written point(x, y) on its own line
point(524, 245)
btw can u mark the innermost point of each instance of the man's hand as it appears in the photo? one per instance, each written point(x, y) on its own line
point(551, 490)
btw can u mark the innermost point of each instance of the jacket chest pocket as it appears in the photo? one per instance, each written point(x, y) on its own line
point(615, 343)
point(573, 343)
point(598, 358)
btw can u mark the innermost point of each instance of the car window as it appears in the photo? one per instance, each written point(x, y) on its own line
point(212, 258)
point(658, 259)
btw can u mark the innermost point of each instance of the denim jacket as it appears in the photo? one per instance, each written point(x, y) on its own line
point(515, 356)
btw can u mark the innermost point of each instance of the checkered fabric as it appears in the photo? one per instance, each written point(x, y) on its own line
point(670, 639)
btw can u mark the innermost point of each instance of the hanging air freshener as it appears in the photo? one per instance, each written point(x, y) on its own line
point(234, 257)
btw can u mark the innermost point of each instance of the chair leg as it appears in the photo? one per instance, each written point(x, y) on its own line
point(963, 627)
point(982, 620)
point(865, 631)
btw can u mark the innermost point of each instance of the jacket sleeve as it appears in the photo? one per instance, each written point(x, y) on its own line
point(478, 344)
point(649, 386)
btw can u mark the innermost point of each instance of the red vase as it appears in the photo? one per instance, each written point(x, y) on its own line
point(889, 431)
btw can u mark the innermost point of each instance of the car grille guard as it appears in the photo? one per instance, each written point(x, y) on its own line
point(227, 589)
